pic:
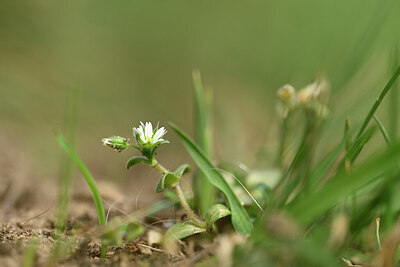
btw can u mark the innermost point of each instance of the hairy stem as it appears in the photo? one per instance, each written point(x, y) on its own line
point(182, 200)
point(187, 208)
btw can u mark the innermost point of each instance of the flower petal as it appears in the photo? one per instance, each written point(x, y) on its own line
point(148, 131)
point(160, 133)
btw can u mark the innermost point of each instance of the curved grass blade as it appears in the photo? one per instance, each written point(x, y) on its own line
point(342, 185)
point(240, 219)
point(90, 181)
point(88, 177)
point(383, 130)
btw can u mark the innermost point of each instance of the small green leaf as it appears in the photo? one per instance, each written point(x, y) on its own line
point(216, 212)
point(136, 160)
point(133, 231)
point(240, 218)
point(155, 148)
point(167, 180)
point(114, 232)
point(181, 170)
point(182, 230)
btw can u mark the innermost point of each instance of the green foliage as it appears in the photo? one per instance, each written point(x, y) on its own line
point(383, 130)
point(168, 179)
point(29, 257)
point(215, 213)
point(116, 231)
point(88, 177)
point(182, 230)
point(342, 185)
point(136, 160)
point(204, 191)
point(183, 169)
point(379, 101)
point(67, 165)
point(133, 231)
point(89, 180)
point(240, 218)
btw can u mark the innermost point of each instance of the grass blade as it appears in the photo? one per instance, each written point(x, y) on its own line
point(383, 130)
point(67, 167)
point(204, 193)
point(342, 185)
point(323, 167)
point(379, 101)
point(91, 183)
point(394, 101)
point(240, 219)
point(88, 177)
point(30, 254)
point(358, 145)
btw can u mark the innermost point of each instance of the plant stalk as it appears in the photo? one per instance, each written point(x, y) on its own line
point(181, 196)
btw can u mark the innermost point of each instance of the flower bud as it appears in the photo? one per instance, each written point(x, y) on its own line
point(116, 142)
point(287, 94)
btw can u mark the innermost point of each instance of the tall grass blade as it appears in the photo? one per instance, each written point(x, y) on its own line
point(379, 101)
point(359, 143)
point(67, 167)
point(89, 180)
point(240, 219)
point(204, 191)
point(394, 101)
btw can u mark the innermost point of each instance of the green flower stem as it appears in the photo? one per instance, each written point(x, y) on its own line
point(182, 200)
point(159, 167)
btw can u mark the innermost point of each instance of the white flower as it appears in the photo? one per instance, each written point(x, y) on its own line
point(146, 135)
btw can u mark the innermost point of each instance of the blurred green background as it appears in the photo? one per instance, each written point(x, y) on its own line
point(133, 61)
